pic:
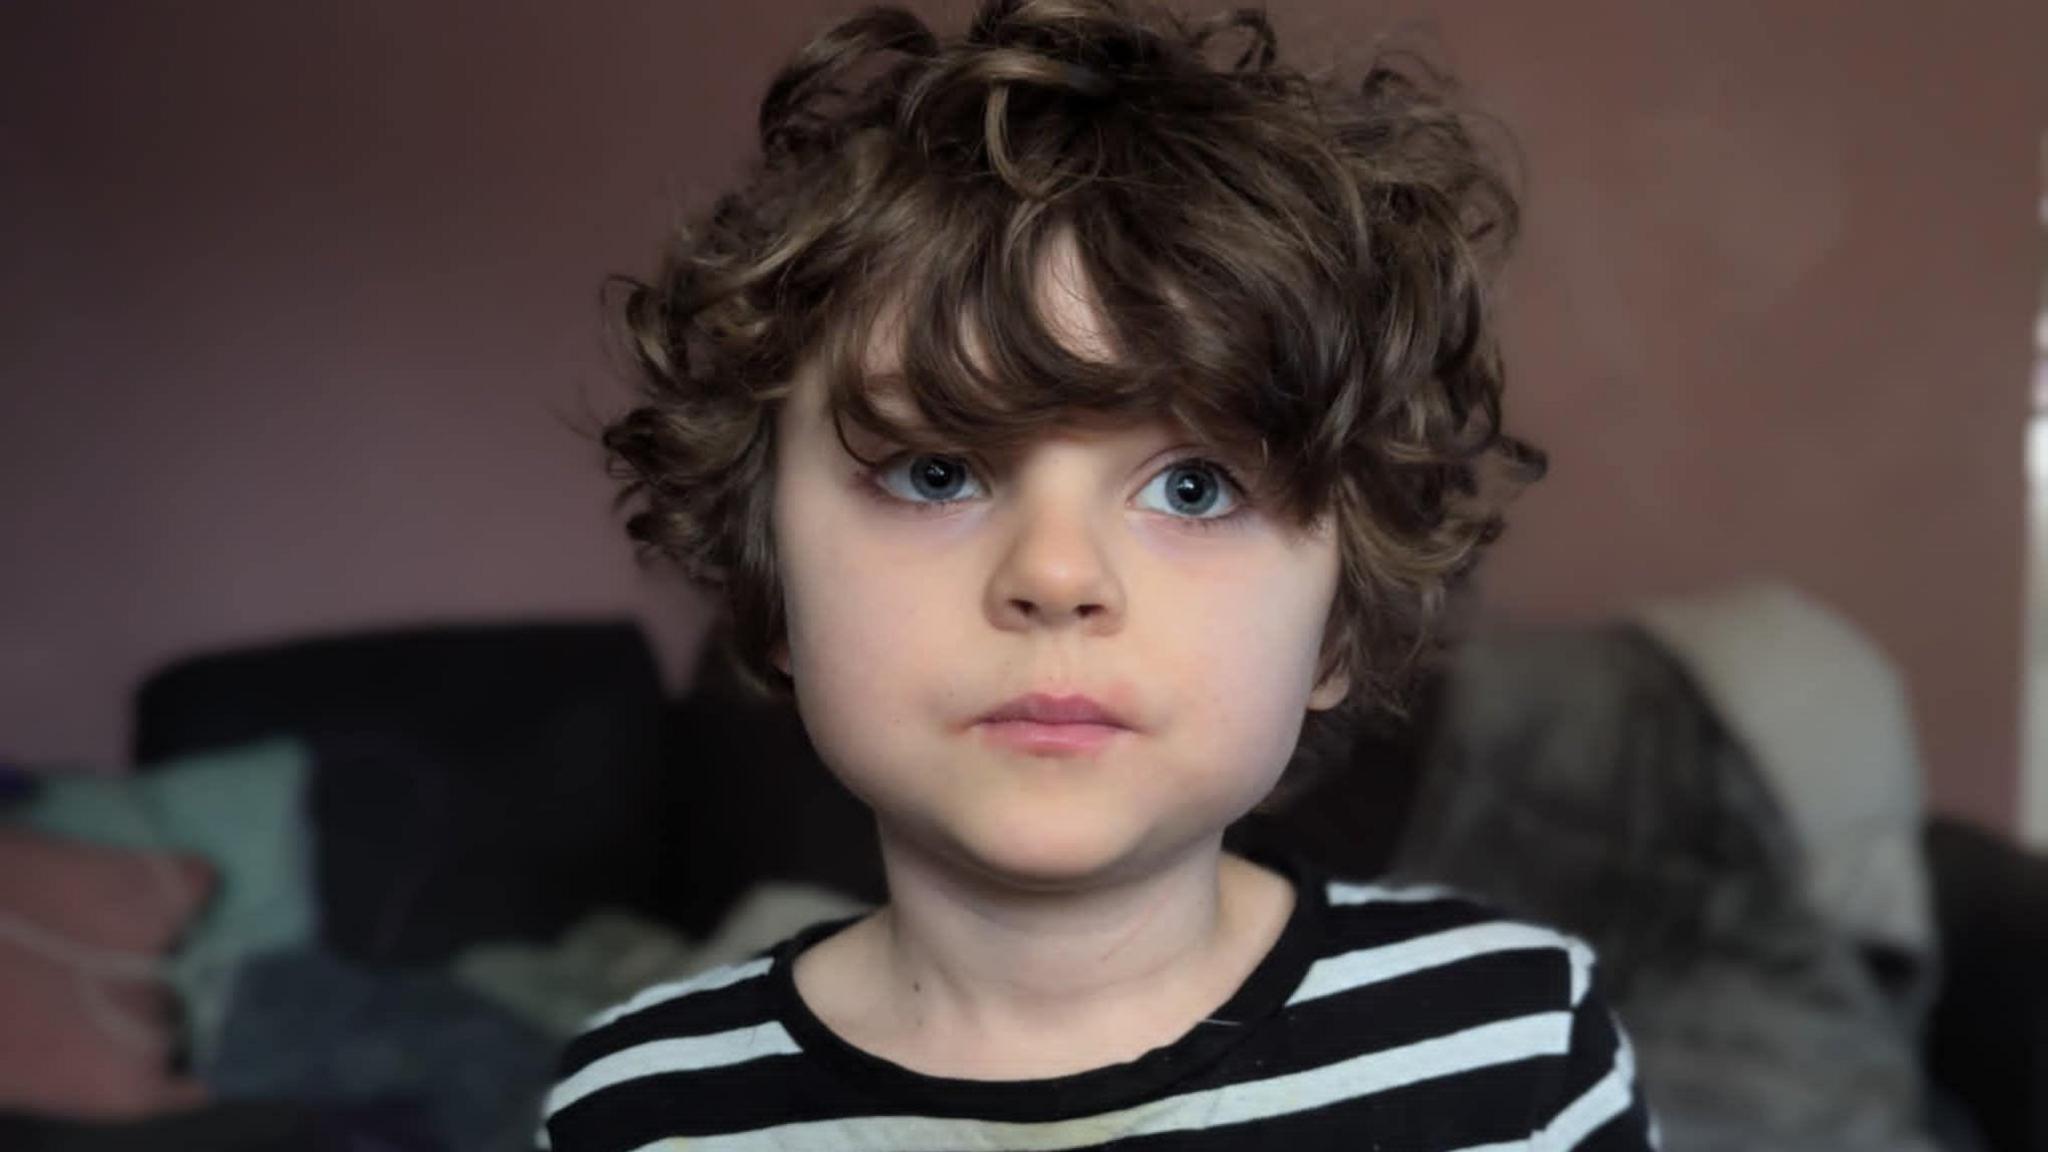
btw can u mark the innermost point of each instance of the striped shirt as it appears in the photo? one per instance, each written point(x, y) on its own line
point(1383, 1018)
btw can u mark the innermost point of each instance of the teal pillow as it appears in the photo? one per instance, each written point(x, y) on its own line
point(243, 809)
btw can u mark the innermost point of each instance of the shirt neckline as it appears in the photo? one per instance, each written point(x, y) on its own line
point(1257, 1000)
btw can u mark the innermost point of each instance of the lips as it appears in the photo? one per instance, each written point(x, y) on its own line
point(1041, 708)
point(1059, 726)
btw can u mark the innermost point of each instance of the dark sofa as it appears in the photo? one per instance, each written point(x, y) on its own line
point(496, 782)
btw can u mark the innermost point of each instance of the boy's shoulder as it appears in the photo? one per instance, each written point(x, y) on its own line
point(1378, 931)
point(723, 995)
point(1438, 954)
point(701, 1021)
point(733, 991)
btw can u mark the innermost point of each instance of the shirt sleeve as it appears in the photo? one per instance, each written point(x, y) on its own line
point(1599, 1106)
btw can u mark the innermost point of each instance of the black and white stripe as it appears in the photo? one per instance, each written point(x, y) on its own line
point(1417, 1020)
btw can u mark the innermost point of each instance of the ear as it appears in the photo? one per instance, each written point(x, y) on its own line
point(1330, 692)
point(778, 655)
point(1333, 687)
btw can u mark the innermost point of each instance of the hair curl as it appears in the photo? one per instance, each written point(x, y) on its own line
point(1282, 264)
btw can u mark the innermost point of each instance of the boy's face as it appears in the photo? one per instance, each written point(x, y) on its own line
point(923, 597)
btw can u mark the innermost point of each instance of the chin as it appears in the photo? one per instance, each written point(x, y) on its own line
point(1049, 851)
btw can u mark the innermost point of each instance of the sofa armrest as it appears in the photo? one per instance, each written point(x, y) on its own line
point(1987, 1044)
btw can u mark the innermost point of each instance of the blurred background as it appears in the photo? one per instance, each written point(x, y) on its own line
point(299, 323)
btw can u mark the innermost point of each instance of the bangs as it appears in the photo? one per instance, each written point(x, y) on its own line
point(1009, 320)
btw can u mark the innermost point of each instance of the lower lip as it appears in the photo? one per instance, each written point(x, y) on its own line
point(1049, 739)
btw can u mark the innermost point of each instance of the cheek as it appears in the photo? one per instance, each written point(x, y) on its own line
point(863, 626)
point(1248, 669)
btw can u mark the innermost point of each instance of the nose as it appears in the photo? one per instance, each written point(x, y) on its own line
point(1055, 571)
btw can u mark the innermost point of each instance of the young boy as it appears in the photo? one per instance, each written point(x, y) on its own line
point(1065, 420)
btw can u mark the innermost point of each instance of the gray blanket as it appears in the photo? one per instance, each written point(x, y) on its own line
point(1580, 779)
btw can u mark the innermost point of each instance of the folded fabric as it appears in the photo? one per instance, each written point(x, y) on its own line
point(320, 1030)
point(611, 954)
point(243, 810)
point(89, 1025)
point(601, 960)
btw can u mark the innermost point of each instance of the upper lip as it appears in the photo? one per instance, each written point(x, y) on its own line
point(1045, 708)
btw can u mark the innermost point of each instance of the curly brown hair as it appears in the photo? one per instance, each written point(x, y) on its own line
point(1290, 269)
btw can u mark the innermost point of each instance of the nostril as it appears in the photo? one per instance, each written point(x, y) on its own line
point(1033, 610)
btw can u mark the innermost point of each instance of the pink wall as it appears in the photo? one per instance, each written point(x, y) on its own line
point(1775, 319)
point(297, 298)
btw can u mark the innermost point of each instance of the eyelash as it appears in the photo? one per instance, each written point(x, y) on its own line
point(871, 484)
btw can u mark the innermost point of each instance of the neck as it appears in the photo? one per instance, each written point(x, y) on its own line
point(1116, 968)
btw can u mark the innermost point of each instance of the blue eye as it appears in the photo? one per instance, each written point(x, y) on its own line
point(1195, 489)
point(926, 479)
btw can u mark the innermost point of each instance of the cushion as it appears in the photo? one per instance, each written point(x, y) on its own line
point(77, 1044)
point(242, 810)
point(1825, 713)
point(472, 781)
